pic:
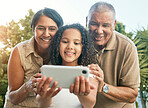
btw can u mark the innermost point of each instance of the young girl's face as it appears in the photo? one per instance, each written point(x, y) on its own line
point(70, 47)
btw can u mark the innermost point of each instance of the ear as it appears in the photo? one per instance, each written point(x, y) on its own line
point(33, 30)
point(114, 24)
point(86, 21)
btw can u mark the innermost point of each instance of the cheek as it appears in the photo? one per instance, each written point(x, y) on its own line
point(80, 50)
point(37, 34)
point(61, 49)
point(91, 28)
point(107, 37)
point(108, 32)
point(53, 33)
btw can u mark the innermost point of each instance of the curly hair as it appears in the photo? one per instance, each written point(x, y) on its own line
point(88, 55)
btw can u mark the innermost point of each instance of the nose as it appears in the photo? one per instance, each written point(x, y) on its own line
point(99, 30)
point(70, 46)
point(46, 32)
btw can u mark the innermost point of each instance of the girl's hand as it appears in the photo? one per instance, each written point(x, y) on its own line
point(81, 87)
point(45, 93)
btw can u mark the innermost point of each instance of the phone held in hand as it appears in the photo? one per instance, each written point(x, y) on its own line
point(64, 75)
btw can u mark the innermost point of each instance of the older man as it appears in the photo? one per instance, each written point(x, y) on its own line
point(119, 78)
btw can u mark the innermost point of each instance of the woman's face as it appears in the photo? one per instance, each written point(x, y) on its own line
point(70, 47)
point(44, 30)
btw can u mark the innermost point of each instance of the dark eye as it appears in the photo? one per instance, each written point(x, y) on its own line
point(93, 23)
point(64, 41)
point(106, 25)
point(77, 43)
point(52, 28)
point(41, 28)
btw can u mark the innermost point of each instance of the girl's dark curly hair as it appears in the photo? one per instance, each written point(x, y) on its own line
point(88, 55)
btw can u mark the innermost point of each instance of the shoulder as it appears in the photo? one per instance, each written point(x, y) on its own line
point(124, 41)
point(26, 46)
point(23, 44)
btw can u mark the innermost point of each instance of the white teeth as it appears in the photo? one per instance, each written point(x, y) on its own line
point(45, 40)
point(68, 53)
point(98, 37)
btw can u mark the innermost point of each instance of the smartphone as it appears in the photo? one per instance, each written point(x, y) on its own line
point(64, 75)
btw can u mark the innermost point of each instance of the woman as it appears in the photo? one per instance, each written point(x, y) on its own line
point(71, 46)
point(27, 57)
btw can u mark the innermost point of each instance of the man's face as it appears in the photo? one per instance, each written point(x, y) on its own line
point(101, 27)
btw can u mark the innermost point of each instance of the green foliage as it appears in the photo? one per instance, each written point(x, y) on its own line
point(13, 33)
point(121, 29)
point(26, 32)
point(141, 42)
point(3, 89)
point(3, 77)
point(3, 35)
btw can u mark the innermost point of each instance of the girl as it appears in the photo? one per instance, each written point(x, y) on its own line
point(71, 46)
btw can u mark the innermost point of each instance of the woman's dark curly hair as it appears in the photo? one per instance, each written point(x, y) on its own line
point(88, 55)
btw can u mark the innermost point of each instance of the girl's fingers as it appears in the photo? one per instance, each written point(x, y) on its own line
point(76, 86)
point(47, 84)
point(82, 85)
point(57, 91)
point(37, 75)
point(40, 84)
point(87, 87)
point(71, 89)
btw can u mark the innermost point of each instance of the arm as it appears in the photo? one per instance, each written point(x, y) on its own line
point(119, 94)
point(18, 89)
point(122, 94)
point(85, 90)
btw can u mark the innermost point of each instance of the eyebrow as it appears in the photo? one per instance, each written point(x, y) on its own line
point(45, 26)
point(67, 38)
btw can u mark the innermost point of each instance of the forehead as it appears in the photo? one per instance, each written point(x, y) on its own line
point(46, 21)
point(72, 33)
point(102, 16)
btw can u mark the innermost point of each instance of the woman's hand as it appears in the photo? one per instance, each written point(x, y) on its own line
point(31, 85)
point(98, 75)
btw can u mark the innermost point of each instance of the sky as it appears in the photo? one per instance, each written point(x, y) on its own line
point(132, 13)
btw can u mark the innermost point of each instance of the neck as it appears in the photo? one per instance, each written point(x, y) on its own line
point(98, 47)
point(70, 64)
point(42, 52)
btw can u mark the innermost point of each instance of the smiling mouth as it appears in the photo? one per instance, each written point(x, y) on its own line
point(69, 53)
point(47, 40)
point(98, 38)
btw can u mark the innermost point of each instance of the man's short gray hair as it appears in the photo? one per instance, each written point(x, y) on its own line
point(102, 7)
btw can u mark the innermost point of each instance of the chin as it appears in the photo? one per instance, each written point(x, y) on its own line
point(99, 43)
point(45, 47)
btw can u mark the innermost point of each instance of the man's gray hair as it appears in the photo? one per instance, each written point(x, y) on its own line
point(102, 7)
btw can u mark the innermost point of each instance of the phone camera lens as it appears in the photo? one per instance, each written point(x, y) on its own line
point(84, 71)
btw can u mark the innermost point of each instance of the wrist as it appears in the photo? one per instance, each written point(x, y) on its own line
point(43, 102)
point(26, 90)
point(105, 88)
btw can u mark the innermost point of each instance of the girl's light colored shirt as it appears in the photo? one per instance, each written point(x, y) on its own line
point(65, 99)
